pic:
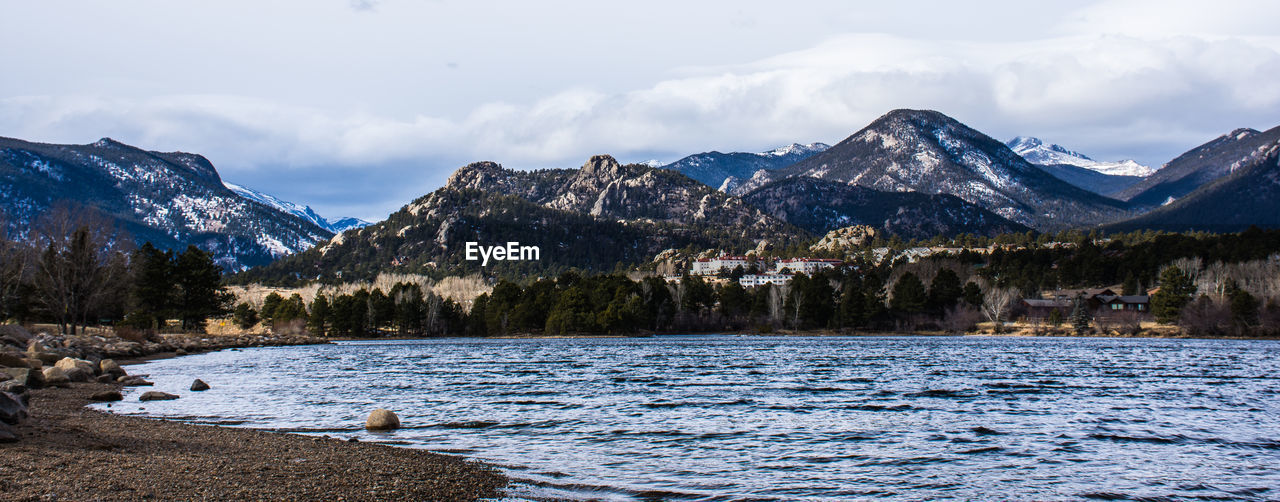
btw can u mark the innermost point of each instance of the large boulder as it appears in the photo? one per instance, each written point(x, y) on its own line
point(7, 434)
point(30, 378)
point(10, 360)
point(55, 377)
point(382, 420)
point(12, 409)
point(111, 367)
point(78, 370)
point(14, 335)
point(156, 396)
point(199, 385)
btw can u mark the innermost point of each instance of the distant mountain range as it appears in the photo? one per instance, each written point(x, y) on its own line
point(727, 171)
point(593, 218)
point(911, 173)
point(171, 199)
point(335, 225)
point(1040, 153)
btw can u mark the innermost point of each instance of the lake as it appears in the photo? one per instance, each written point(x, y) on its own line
point(781, 418)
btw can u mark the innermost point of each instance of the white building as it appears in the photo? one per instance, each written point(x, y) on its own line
point(713, 266)
point(805, 266)
point(753, 280)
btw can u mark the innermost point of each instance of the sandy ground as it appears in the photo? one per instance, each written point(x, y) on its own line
point(69, 452)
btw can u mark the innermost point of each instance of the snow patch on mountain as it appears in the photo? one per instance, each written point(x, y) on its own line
point(1037, 151)
point(335, 225)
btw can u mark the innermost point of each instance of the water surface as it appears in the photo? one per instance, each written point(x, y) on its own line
point(767, 418)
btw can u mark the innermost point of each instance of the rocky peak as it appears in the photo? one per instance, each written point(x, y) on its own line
point(474, 175)
point(107, 143)
point(602, 166)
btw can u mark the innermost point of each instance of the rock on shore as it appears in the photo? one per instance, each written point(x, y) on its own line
point(382, 420)
point(157, 396)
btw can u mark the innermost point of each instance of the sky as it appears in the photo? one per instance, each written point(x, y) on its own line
point(356, 107)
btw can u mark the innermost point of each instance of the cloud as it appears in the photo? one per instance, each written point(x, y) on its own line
point(364, 5)
point(1111, 96)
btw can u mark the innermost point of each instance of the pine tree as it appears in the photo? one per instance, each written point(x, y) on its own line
point(202, 294)
point(320, 314)
point(972, 294)
point(945, 290)
point(154, 289)
point(908, 294)
point(244, 316)
point(269, 306)
point(1175, 291)
point(1080, 317)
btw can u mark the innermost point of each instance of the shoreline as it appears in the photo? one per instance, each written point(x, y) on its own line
point(66, 450)
point(806, 333)
point(100, 455)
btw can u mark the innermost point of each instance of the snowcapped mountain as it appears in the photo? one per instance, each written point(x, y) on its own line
point(1045, 154)
point(336, 225)
point(172, 199)
point(928, 152)
point(725, 171)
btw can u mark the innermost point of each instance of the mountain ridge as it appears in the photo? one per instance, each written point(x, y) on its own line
point(335, 225)
point(927, 151)
point(172, 199)
point(1036, 151)
point(720, 170)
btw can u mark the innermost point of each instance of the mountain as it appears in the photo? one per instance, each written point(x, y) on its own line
point(928, 152)
point(592, 218)
point(1088, 179)
point(336, 225)
point(1039, 153)
point(171, 199)
point(1246, 194)
point(820, 206)
point(726, 170)
point(1198, 167)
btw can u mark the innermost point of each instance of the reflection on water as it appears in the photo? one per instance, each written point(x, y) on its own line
point(727, 418)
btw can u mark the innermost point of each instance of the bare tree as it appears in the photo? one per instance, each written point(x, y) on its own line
point(15, 271)
point(81, 266)
point(960, 318)
point(996, 304)
point(1129, 322)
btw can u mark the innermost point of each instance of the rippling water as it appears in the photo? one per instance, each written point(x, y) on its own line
point(730, 418)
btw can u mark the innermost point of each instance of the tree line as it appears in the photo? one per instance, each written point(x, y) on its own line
point(406, 311)
point(75, 270)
